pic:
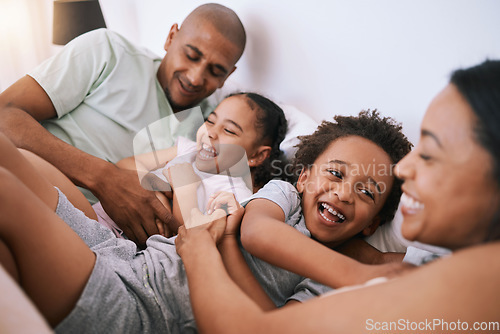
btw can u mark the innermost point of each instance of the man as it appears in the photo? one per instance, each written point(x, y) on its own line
point(81, 109)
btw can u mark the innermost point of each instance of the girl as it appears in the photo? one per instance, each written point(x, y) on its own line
point(233, 152)
point(451, 199)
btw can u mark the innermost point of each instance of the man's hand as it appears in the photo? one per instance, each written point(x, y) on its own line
point(134, 209)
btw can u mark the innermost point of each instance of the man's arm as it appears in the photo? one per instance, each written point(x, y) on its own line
point(23, 106)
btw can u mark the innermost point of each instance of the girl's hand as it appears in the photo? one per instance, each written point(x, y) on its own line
point(205, 229)
point(226, 201)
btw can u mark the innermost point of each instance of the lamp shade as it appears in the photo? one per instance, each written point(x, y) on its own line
point(73, 18)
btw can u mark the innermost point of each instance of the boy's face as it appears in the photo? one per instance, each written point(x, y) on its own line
point(345, 189)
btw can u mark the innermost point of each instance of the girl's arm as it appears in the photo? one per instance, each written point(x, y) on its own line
point(264, 235)
point(184, 182)
point(143, 163)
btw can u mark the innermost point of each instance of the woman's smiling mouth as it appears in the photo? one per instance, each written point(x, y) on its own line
point(410, 205)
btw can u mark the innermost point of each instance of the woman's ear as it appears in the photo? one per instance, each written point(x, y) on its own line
point(370, 229)
point(262, 153)
point(171, 34)
point(301, 182)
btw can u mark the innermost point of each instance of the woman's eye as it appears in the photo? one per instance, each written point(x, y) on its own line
point(335, 173)
point(424, 157)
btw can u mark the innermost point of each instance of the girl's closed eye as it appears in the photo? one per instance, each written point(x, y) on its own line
point(231, 132)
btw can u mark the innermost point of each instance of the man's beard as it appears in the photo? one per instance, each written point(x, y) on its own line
point(177, 107)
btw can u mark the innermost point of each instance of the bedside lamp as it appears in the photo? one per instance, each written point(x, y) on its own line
point(73, 18)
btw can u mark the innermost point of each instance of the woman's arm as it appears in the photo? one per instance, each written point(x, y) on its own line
point(264, 235)
point(432, 296)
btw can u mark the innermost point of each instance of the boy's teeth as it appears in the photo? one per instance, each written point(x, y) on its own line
point(333, 212)
point(411, 203)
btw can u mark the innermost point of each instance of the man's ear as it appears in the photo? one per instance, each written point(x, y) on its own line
point(370, 229)
point(262, 153)
point(171, 34)
point(301, 182)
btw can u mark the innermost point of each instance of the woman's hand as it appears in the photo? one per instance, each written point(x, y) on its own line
point(226, 201)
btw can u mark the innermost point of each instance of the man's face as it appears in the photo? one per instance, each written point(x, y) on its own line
point(198, 61)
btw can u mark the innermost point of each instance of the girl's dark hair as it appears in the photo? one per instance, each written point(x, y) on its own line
point(480, 86)
point(384, 132)
point(271, 124)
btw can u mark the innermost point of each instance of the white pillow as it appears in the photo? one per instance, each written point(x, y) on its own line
point(299, 124)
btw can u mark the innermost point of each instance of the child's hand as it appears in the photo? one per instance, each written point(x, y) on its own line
point(194, 233)
point(197, 218)
point(181, 174)
point(226, 201)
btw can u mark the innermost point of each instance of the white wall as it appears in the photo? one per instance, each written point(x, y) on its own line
point(338, 57)
point(325, 57)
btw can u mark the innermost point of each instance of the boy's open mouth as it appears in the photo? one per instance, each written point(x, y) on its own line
point(330, 214)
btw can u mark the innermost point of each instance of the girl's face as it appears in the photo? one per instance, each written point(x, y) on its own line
point(228, 134)
point(450, 194)
point(345, 189)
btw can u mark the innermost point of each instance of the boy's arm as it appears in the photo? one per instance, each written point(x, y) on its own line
point(264, 234)
point(241, 274)
point(229, 249)
point(362, 251)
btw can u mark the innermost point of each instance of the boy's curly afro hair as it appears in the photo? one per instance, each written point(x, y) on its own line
point(384, 132)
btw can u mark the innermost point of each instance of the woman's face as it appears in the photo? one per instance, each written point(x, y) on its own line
point(450, 194)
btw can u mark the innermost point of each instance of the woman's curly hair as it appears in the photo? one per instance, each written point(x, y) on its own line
point(384, 132)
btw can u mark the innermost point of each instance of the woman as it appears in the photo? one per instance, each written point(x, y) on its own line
point(451, 199)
